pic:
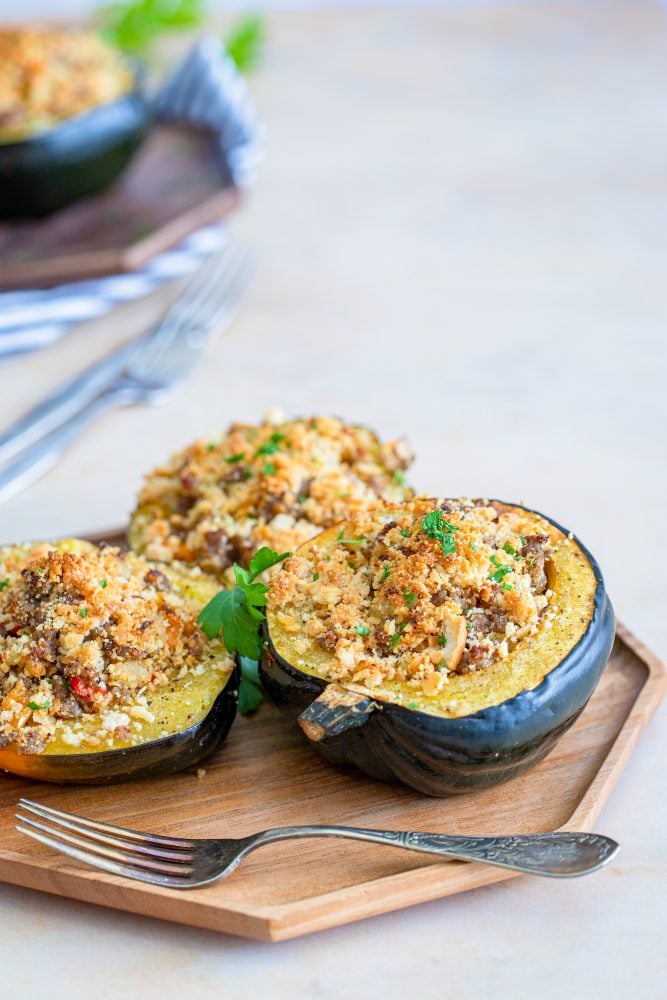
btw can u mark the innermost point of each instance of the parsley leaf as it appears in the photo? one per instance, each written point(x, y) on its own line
point(251, 695)
point(385, 572)
point(399, 477)
point(235, 458)
point(350, 541)
point(264, 559)
point(245, 42)
point(436, 527)
point(410, 598)
point(238, 613)
point(230, 612)
point(500, 572)
point(362, 630)
point(39, 708)
point(3, 584)
point(269, 469)
point(442, 640)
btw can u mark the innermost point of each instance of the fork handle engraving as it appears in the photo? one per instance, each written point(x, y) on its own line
point(559, 854)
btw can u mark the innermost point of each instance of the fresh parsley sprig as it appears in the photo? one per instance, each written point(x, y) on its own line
point(134, 25)
point(238, 613)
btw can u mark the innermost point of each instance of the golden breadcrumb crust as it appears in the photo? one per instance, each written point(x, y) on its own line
point(218, 501)
point(89, 631)
point(417, 592)
point(49, 74)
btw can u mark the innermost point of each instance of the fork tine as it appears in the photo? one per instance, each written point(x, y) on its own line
point(103, 838)
point(104, 863)
point(48, 812)
point(206, 278)
point(98, 850)
point(174, 357)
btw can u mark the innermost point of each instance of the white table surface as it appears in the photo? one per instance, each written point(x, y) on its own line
point(461, 228)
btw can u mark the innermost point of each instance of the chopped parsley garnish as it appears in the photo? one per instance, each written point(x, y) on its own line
point(316, 576)
point(235, 458)
point(83, 612)
point(522, 539)
point(271, 446)
point(395, 639)
point(442, 640)
point(385, 572)
point(500, 572)
point(399, 477)
point(269, 469)
point(410, 597)
point(247, 474)
point(3, 584)
point(103, 583)
point(473, 547)
point(210, 446)
point(362, 630)
point(507, 586)
point(350, 541)
point(405, 532)
point(435, 526)
point(39, 708)
point(509, 549)
point(40, 571)
point(412, 704)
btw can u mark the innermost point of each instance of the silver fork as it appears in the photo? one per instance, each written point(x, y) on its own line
point(181, 863)
point(148, 371)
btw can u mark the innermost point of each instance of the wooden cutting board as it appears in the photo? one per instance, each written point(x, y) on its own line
point(266, 775)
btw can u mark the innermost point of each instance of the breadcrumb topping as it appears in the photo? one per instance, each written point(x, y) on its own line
point(417, 592)
point(276, 484)
point(48, 74)
point(92, 631)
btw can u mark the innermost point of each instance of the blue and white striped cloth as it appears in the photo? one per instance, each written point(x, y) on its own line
point(208, 91)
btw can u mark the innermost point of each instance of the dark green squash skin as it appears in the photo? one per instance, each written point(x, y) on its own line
point(156, 759)
point(77, 158)
point(440, 756)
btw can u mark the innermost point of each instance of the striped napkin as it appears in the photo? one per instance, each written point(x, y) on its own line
point(208, 91)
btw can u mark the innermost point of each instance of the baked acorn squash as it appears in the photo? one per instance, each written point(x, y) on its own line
point(75, 706)
point(483, 630)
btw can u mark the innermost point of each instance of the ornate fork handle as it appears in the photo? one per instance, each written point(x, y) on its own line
point(556, 854)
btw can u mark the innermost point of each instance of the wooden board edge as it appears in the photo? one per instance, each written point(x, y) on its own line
point(83, 885)
point(372, 899)
point(644, 707)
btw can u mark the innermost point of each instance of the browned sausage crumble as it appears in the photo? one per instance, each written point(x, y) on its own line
point(277, 484)
point(417, 592)
point(89, 632)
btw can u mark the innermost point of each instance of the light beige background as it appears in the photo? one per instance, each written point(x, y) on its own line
point(460, 229)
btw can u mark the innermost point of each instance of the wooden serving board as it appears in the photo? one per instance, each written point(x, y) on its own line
point(266, 775)
point(174, 185)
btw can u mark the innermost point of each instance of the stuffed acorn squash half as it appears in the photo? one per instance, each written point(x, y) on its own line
point(446, 645)
point(105, 673)
point(273, 484)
